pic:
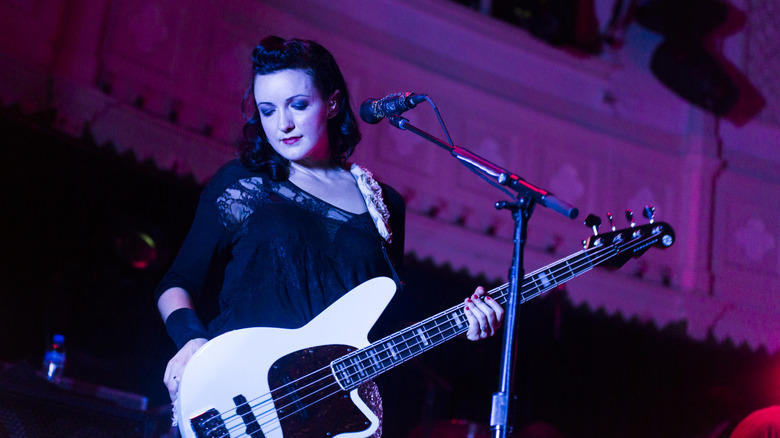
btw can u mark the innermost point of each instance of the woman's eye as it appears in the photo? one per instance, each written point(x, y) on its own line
point(300, 105)
point(266, 112)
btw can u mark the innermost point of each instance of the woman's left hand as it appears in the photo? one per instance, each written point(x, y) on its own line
point(484, 315)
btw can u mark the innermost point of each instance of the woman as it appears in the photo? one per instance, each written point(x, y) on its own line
point(289, 227)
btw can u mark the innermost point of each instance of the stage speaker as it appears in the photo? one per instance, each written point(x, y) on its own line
point(32, 407)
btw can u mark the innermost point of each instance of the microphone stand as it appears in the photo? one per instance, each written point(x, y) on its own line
point(528, 196)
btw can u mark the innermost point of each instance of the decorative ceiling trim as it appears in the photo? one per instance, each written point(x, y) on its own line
point(446, 241)
point(183, 124)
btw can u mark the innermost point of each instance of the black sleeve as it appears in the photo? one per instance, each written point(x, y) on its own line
point(196, 258)
point(192, 263)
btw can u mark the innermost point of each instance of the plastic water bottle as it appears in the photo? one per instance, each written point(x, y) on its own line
point(54, 359)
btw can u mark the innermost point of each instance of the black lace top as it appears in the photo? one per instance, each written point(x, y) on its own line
point(280, 255)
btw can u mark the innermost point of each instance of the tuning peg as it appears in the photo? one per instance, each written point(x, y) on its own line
point(594, 222)
point(649, 213)
point(611, 221)
point(630, 217)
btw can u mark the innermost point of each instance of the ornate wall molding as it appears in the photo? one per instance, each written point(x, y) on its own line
point(165, 81)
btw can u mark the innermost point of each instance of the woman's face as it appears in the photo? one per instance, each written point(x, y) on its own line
point(294, 116)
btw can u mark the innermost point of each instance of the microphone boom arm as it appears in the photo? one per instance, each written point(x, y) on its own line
point(498, 174)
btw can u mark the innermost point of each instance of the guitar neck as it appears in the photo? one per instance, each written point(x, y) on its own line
point(366, 363)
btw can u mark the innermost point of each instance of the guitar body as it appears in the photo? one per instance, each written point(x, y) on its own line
point(239, 383)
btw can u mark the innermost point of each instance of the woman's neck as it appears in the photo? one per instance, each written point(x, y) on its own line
point(318, 170)
point(332, 184)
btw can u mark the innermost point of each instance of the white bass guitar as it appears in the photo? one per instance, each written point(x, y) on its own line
point(275, 383)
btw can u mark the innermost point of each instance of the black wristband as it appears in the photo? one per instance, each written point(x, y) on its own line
point(183, 326)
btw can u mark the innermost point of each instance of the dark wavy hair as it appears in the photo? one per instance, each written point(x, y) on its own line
point(274, 54)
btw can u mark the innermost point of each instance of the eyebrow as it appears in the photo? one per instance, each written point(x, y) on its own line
point(286, 100)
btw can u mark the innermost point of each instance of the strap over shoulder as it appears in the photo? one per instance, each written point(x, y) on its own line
point(372, 195)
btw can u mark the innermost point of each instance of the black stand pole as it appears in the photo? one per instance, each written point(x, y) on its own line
point(521, 209)
point(499, 416)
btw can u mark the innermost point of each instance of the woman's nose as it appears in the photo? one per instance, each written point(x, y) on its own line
point(285, 122)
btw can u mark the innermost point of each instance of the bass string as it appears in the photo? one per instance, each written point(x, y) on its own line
point(409, 347)
point(265, 426)
point(597, 255)
point(266, 401)
point(598, 258)
point(500, 296)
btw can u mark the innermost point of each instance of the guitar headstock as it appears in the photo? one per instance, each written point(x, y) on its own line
point(621, 245)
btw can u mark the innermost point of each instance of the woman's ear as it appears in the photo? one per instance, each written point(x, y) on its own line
point(334, 104)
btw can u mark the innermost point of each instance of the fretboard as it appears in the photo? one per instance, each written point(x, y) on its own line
point(361, 365)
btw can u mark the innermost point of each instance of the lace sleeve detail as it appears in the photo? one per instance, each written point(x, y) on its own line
point(239, 201)
point(372, 195)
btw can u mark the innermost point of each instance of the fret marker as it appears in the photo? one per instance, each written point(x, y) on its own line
point(457, 320)
point(373, 357)
point(392, 351)
point(422, 336)
point(345, 377)
point(543, 278)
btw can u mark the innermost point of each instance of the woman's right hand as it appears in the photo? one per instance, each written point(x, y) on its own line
point(177, 364)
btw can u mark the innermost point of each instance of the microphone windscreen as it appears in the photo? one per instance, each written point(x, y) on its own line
point(367, 113)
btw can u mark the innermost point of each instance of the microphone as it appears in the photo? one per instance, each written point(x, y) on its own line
point(374, 110)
